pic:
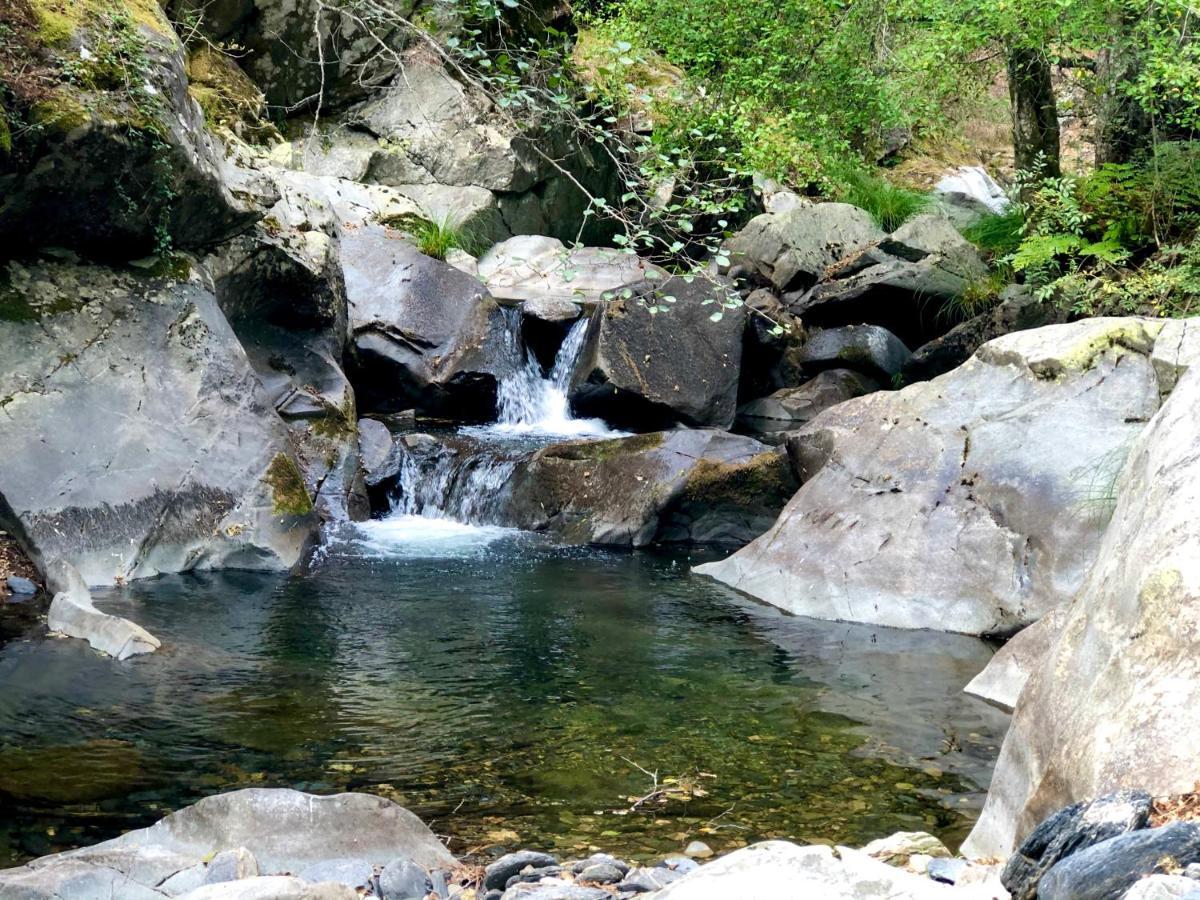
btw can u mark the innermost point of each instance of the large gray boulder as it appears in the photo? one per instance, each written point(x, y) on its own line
point(1113, 703)
point(655, 356)
point(95, 131)
point(690, 486)
point(975, 502)
point(901, 283)
point(423, 334)
point(869, 349)
point(793, 250)
point(137, 437)
point(285, 832)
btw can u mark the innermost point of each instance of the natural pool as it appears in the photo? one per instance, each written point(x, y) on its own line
point(507, 691)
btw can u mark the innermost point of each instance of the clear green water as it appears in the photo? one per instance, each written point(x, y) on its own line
point(503, 689)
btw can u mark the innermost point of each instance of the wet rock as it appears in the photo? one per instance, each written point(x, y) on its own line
point(698, 850)
point(912, 501)
point(1001, 681)
point(901, 284)
point(200, 473)
point(897, 849)
point(18, 585)
point(423, 333)
point(869, 349)
point(1069, 831)
point(792, 249)
point(974, 188)
point(496, 874)
point(72, 613)
point(403, 880)
point(695, 485)
point(374, 447)
point(357, 873)
point(233, 865)
point(644, 370)
point(1105, 871)
point(643, 881)
point(602, 873)
point(771, 418)
point(1091, 718)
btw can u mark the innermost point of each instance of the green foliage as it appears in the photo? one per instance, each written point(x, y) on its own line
point(998, 234)
point(439, 236)
point(890, 205)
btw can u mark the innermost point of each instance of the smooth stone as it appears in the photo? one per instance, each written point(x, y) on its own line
point(549, 890)
point(402, 879)
point(1192, 870)
point(869, 349)
point(532, 876)
point(440, 882)
point(683, 864)
point(602, 873)
point(234, 865)
point(647, 880)
point(18, 585)
point(496, 874)
point(1105, 871)
point(947, 871)
point(1068, 831)
point(72, 613)
point(358, 873)
point(698, 850)
point(899, 848)
point(596, 859)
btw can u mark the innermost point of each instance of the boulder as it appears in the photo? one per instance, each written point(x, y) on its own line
point(1069, 831)
point(422, 333)
point(869, 349)
point(231, 865)
point(374, 447)
point(644, 881)
point(772, 418)
point(897, 849)
point(660, 353)
point(686, 486)
point(1001, 681)
point(72, 613)
point(1112, 704)
point(200, 472)
point(972, 503)
point(122, 118)
point(900, 284)
point(497, 873)
point(778, 869)
point(1018, 309)
point(792, 250)
point(284, 830)
point(1107, 870)
point(1176, 350)
point(537, 268)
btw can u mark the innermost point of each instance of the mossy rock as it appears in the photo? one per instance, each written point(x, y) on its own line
point(60, 20)
point(289, 496)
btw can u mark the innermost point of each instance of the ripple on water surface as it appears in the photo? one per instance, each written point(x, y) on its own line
point(508, 691)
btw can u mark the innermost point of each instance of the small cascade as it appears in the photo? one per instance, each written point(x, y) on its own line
point(460, 481)
point(530, 402)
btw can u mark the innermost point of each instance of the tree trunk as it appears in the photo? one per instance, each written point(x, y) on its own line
point(1034, 111)
point(1122, 126)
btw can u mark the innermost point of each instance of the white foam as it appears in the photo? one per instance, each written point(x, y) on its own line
point(424, 536)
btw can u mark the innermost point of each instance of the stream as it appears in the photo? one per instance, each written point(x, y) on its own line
point(510, 691)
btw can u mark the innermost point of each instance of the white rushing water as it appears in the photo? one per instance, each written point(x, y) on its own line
point(535, 404)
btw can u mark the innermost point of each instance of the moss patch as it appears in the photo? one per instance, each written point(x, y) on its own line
point(1135, 336)
point(339, 423)
point(289, 496)
point(764, 480)
point(59, 20)
point(226, 96)
point(610, 449)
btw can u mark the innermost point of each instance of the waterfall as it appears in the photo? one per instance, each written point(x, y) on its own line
point(530, 402)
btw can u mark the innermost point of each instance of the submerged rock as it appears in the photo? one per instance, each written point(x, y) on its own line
point(137, 438)
point(645, 369)
point(971, 503)
point(1114, 702)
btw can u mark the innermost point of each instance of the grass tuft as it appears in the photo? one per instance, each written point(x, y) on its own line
point(998, 234)
point(437, 237)
point(890, 205)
